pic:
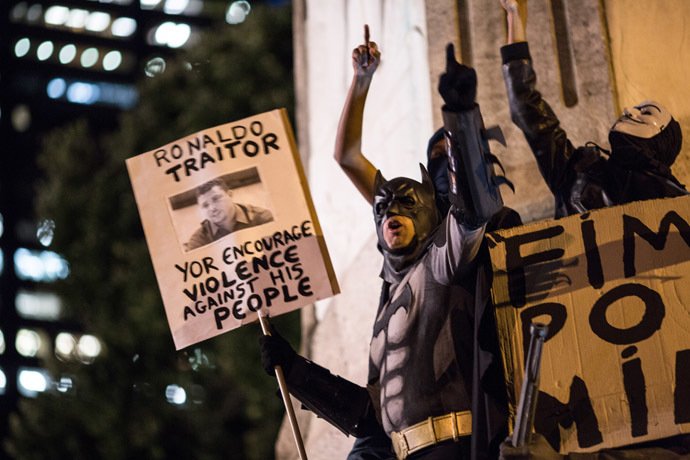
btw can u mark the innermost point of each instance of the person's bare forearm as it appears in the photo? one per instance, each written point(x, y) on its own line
point(516, 12)
point(348, 143)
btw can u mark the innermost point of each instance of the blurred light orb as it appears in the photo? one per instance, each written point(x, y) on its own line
point(83, 93)
point(149, 4)
point(154, 67)
point(89, 57)
point(123, 27)
point(27, 342)
point(97, 21)
point(67, 54)
point(32, 381)
point(64, 345)
point(22, 47)
point(2, 343)
point(175, 394)
point(77, 18)
point(64, 385)
point(21, 118)
point(46, 228)
point(34, 13)
point(56, 15)
point(175, 6)
point(19, 11)
point(112, 60)
point(237, 12)
point(89, 346)
point(45, 50)
point(172, 35)
point(55, 89)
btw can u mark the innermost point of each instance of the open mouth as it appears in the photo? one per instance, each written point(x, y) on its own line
point(392, 224)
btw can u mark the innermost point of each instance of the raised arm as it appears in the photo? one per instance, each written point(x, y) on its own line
point(531, 113)
point(516, 11)
point(348, 142)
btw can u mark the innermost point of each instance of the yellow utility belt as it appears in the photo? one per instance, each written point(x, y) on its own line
point(431, 431)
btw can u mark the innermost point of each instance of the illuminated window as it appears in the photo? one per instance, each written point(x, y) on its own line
point(3, 382)
point(44, 266)
point(67, 54)
point(22, 47)
point(123, 27)
point(2, 225)
point(31, 381)
point(38, 305)
point(45, 50)
point(175, 394)
point(2, 261)
point(2, 343)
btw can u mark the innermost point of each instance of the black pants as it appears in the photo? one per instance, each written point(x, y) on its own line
point(446, 450)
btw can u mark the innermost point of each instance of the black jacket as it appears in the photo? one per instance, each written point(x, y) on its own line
point(579, 178)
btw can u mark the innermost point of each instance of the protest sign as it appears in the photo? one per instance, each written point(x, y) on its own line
point(614, 287)
point(221, 256)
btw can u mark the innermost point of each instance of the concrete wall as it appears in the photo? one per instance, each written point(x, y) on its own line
point(585, 78)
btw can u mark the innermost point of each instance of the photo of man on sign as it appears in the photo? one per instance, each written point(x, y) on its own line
point(220, 207)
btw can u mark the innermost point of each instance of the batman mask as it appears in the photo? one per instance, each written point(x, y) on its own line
point(405, 214)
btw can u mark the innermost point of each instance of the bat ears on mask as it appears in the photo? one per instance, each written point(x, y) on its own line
point(427, 183)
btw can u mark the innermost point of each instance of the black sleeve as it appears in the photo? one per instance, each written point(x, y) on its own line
point(533, 115)
point(341, 403)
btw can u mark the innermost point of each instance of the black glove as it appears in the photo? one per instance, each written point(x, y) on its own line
point(276, 351)
point(458, 85)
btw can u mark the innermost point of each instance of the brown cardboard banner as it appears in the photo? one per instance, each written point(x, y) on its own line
point(231, 227)
point(614, 287)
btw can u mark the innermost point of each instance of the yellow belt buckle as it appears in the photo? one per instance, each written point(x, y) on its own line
point(400, 445)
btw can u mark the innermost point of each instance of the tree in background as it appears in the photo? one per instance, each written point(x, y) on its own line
point(117, 408)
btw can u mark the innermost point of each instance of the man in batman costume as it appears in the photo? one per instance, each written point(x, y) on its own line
point(422, 366)
point(645, 142)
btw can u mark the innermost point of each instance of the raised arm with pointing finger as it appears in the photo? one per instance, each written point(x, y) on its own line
point(348, 142)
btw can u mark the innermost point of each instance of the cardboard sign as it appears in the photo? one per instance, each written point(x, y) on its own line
point(614, 287)
point(231, 227)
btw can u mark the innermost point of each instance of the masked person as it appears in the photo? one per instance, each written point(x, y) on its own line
point(419, 391)
point(645, 142)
